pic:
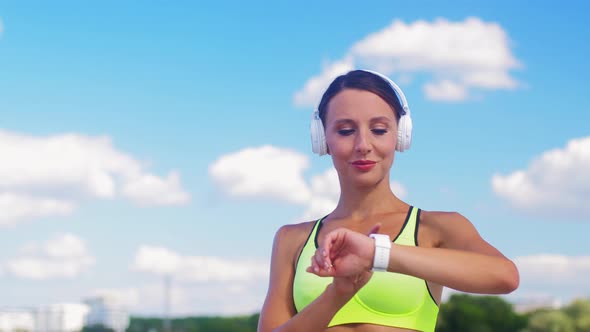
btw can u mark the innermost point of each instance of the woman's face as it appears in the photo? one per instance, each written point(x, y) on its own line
point(361, 133)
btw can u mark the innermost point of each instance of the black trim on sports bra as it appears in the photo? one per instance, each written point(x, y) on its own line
point(307, 239)
point(401, 230)
point(416, 243)
point(417, 225)
point(317, 231)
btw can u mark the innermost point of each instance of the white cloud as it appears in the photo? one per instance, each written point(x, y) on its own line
point(163, 261)
point(263, 171)
point(125, 297)
point(152, 300)
point(62, 256)
point(18, 207)
point(223, 298)
point(149, 189)
point(551, 279)
point(325, 192)
point(398, 189)
point(458, 56)
point(314, 88)
point(490, 79)
point(53, 172)
point(66, 246)
point(157, 260)
point(554, 269)
point(42, 268)
point(467, 47)
point(445, 91)
point(556, 183)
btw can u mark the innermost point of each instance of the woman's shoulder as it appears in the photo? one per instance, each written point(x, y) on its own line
point(289, 239)
point(447, 226)
point(443, 221)
point(295, 230)
point(294, 234)
point(441, 217)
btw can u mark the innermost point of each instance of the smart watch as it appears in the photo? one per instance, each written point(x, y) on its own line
point(382, 249)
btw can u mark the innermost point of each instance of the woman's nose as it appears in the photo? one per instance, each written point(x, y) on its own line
point(362, 143)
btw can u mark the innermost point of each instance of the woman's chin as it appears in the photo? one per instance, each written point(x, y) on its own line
point(366, 181)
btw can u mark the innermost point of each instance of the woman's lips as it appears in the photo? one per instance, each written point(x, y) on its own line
point(364, 165)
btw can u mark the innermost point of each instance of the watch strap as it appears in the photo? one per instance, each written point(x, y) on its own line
point(382, 249)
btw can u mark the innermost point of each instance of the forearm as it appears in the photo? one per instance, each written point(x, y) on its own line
point(317, 315)
point(460, 270)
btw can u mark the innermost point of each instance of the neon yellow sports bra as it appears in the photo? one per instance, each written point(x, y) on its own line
point(389, 299)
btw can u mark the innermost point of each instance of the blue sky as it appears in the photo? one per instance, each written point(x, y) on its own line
point(149, 139)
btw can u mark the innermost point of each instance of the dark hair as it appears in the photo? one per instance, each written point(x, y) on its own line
point(361, 80)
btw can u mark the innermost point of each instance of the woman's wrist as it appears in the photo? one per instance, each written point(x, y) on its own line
point(340, 297)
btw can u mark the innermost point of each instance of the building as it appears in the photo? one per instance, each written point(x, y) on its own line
point(107, 312)
point(63, 317)
point(66, 317)
point(16, 319)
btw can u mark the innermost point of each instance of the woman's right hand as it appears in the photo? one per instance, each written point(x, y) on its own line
point(346, 256)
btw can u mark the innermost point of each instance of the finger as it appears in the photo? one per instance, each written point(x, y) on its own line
point(328, 264)
point(319, 258)
point(313, 267)
point(327, 247)
point(320, 262)
point(330, 254)
point(320, 272)
point(332, 240)
point(336, 245)
point(374, 229)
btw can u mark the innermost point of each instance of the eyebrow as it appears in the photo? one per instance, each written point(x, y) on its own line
point(343, 121)
point(373, 120)
point(380, 119)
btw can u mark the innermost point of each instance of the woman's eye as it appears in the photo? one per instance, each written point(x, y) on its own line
point(345, 132)
point(379, 131)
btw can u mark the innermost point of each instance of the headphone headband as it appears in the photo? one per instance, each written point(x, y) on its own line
point(396, 89)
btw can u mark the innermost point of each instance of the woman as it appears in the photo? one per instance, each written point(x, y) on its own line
point(336, 273)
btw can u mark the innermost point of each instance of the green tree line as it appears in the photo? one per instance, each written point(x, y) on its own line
point(461, 313)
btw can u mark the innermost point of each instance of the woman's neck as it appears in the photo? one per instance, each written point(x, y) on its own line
point(359, 203)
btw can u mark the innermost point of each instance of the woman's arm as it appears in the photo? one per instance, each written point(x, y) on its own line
point(278, 312)
point(463, 262)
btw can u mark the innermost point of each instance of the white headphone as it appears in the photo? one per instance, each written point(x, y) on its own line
point(404, 129)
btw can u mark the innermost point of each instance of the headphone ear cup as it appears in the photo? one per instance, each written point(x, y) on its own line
point(404, 133)
point(318, 136)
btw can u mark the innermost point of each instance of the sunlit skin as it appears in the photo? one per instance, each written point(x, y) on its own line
point(361, 133)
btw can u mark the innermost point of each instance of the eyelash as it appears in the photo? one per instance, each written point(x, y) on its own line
point(345, 132)
point(348, 132)
point(380, 131)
